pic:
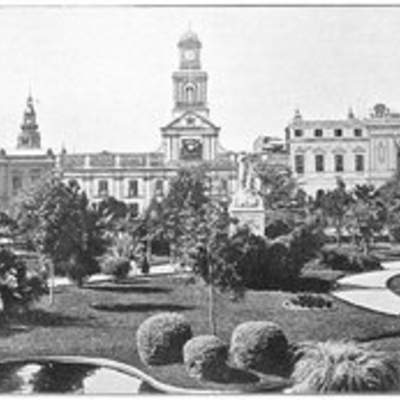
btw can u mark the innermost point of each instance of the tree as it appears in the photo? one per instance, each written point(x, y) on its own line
point(335, 204)
point(389, 194)
point(368, 213)
point(215, 253)
point(58, 219)
point(187, 194)
point(277, 185)
point(282, 197)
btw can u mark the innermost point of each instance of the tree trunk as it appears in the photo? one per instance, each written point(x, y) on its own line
point(52, 284)
point(338, 235)
point(148, 249)
point(211, 316)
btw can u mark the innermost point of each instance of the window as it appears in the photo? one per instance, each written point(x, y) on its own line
point(16, 183)
point(298, 132)
point(224, 185)
point(338, 132)
point(318, 133)
point(190, 94)
point(103, 188)
point(133, 188)
point(134, 209)
point(319, 163)
point(35, 175)
point(357, 132)
point(159, 186)
point(339, 162)
point(299, 163)
point(359, 160)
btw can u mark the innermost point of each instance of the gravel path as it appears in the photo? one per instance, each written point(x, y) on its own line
point(369, 290)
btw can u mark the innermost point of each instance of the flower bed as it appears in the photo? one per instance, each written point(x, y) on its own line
point(308, 301)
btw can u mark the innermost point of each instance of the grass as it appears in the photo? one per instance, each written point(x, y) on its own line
point(103, 323)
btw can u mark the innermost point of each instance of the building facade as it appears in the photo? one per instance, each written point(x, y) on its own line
point(190, 138)
point(26, 164)
point(359, 151)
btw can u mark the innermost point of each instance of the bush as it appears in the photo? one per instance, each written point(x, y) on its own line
point(118, 267)
point(205, 357)
point(79, 268)
point(160, 338)
point(343, 367)
point(19, 287)
point(259, 345)
point(349, 260)
point(277, 227)
point(278, 263)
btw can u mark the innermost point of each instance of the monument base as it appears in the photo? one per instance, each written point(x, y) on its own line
point(254, 218)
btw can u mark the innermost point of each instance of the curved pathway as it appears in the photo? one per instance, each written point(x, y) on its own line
point(369, 289)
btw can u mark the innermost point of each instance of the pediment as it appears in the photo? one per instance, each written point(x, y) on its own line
point(190, 120)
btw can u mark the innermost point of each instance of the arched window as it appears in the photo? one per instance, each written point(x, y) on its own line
point(190, 93)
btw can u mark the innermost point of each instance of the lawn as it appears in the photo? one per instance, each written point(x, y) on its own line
point(101, 320)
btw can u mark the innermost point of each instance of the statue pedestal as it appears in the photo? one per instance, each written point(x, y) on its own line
point(248, 209)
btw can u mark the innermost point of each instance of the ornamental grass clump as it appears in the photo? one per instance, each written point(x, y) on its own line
point(261, 346)
point(343, 367)
point(160, 338)
point(205, 357)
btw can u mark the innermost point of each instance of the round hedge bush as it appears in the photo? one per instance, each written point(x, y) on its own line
point(118, 267)
point(205, 357)
point(259, 345)
point(160, 338)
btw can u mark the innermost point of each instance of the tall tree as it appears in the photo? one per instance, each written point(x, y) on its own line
point(187, 194)
point(215, 253)
point(59, 221)
point(335, 204)
point(278, 188)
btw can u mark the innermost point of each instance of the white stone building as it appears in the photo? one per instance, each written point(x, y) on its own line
point(356, 150)
point(190, 138)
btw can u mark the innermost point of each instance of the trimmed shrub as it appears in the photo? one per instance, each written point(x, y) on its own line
point(160, 338)
point(343, 367)
point(259, 345)
point(118, 267)
point(349, 260)
point(205, 357)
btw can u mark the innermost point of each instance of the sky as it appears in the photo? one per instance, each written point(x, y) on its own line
point(101, 77)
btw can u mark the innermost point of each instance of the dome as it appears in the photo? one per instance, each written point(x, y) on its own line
point(189, 39)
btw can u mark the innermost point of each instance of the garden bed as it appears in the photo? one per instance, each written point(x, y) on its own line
point(72, 327)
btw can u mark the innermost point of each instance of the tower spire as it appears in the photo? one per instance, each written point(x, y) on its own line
point(29, 137)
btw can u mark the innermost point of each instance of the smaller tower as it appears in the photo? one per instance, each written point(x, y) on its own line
point(29, 137)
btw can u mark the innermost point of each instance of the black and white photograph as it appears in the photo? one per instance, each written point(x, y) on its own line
point(199, 198)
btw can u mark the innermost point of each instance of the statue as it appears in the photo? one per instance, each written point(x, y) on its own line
point(246, 195)
point(247, 207)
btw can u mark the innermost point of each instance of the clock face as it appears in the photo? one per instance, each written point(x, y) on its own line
point(190, 55)
point(191, 149)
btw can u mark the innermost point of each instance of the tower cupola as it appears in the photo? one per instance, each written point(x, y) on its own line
point(189, 46)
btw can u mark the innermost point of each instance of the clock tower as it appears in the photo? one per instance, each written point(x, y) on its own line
point(190, 82)
point(191, 136)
